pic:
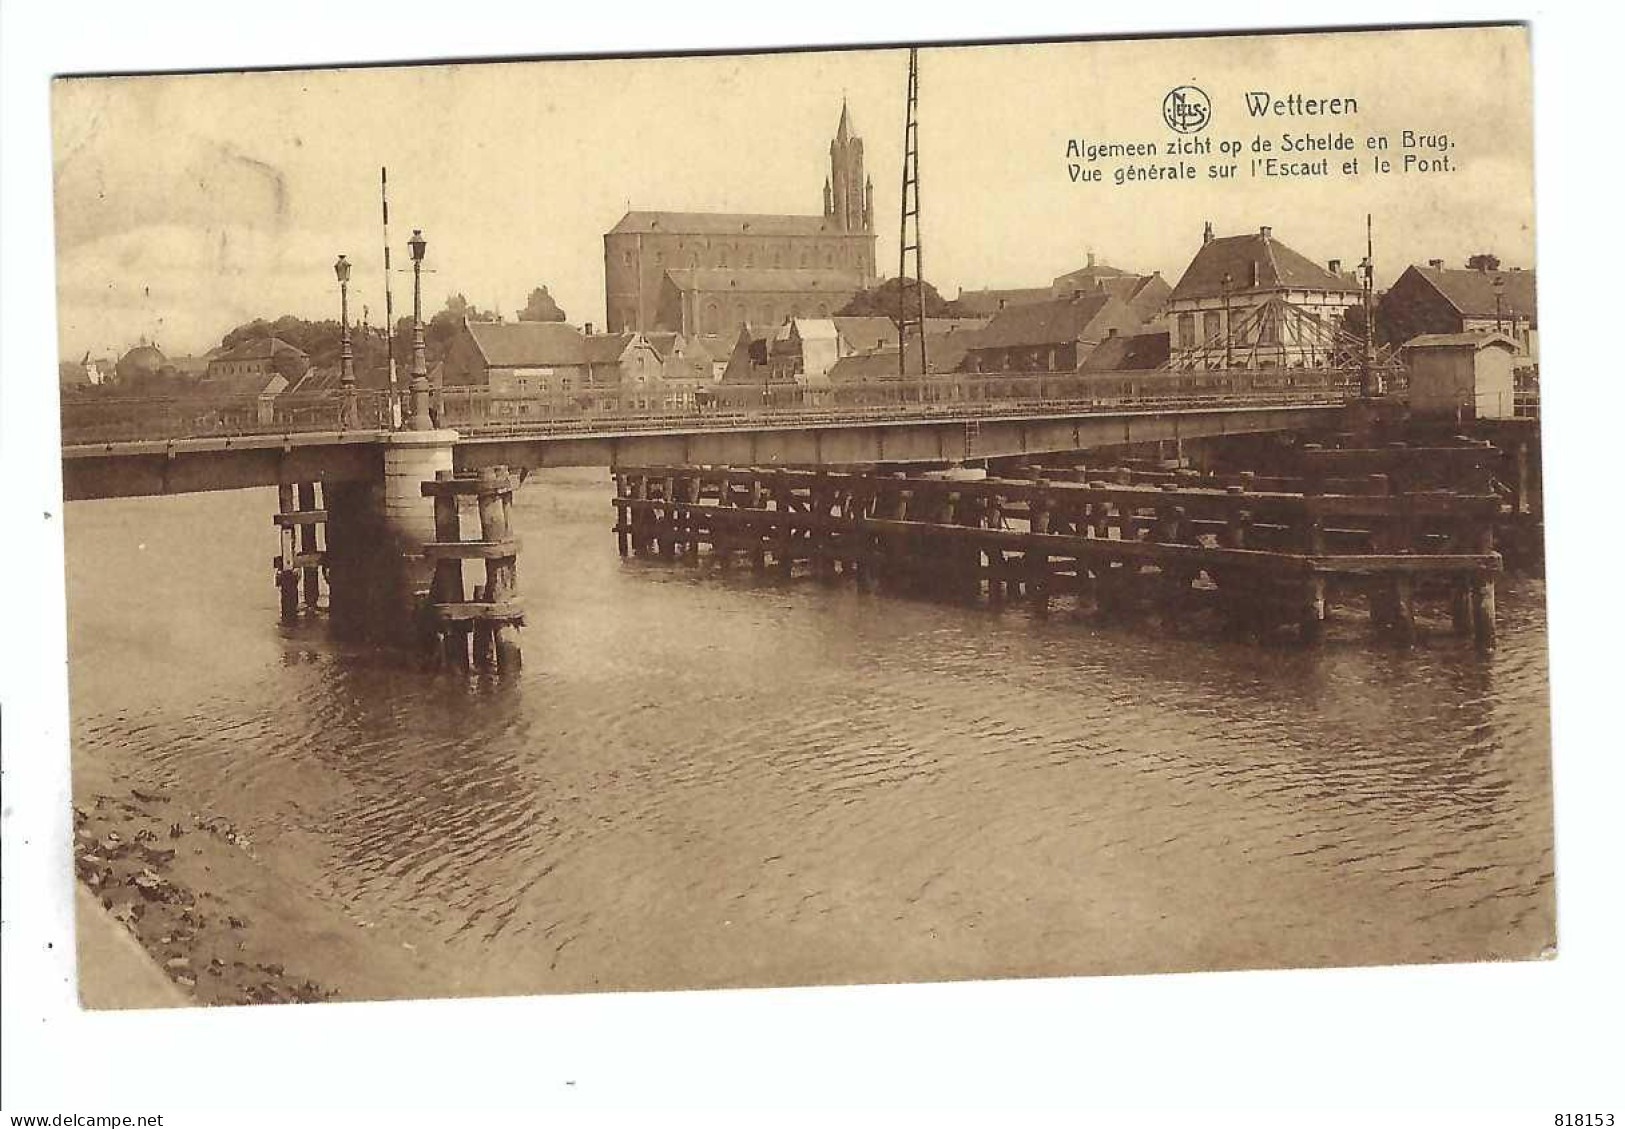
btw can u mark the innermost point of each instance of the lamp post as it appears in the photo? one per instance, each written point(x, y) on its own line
point(347, 407)
point(420, 420)
point(1224, 290)
point(1499, 284)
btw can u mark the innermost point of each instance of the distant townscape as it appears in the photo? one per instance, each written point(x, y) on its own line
point(709, 308)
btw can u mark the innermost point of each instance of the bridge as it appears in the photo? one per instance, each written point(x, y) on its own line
point(356, 505)
point(171, 458)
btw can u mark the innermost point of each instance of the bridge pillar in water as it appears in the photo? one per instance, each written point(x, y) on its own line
point(376, 534)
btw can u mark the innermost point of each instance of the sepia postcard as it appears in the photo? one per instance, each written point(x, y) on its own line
point(804, 517)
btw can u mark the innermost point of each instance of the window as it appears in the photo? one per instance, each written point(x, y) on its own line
point(626, 257)
point(1187, 330)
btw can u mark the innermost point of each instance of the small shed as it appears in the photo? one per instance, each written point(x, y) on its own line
point(1461, 376)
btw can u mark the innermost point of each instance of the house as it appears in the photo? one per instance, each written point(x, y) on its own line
point(258, 357)
point(750, 381)
point(1055, 335)
point(625, 372)
point(944, 355)
point(1436, 300)
point(541, 361)
point(719, 348)
point(1461, 376)
point(1250, 301)
point(140, 367)
point(1144, 293)
point(240, 400)
point(860, 334)
point(1129, 352)
point(84, 373)
point(805, 348)
point(987, 302)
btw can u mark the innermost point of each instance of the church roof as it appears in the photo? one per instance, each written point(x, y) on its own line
point(724, 223)
point(765, 280)
point(1277, 266)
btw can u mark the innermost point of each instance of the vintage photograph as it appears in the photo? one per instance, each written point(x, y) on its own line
point(805, 517)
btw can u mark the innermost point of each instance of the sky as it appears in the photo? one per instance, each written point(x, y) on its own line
point(187, 204)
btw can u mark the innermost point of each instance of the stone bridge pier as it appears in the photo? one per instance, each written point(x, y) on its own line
point(376, 531)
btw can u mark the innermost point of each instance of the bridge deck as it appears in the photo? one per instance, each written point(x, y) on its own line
point(931, 433)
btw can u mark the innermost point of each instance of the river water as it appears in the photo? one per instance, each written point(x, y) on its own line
point(707, 778)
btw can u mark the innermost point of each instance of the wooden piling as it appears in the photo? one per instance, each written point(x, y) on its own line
point(622, 516)
point(447, 585)
point(493, 615)
point(309, 549)
point(287, 576)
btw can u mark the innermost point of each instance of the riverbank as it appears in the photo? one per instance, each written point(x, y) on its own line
point(218, 924)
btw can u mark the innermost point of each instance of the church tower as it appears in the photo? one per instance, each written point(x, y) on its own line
point(848, 194)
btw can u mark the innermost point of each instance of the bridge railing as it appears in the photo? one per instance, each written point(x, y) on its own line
point(120, 419)
point(479, 410)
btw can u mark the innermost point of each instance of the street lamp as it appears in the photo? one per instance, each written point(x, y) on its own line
point(1224, 290)
point(1499, 285)
point(347, 407)
point(420, 361)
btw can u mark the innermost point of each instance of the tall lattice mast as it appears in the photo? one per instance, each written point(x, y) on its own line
point(906, 242)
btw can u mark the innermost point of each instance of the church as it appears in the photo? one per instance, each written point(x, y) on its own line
point(708, 273)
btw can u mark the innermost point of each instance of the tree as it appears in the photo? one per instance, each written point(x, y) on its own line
point(1485, 261)
point(541, 307)
point(882, 301)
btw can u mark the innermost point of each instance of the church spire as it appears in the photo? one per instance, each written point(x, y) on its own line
point(848, 190)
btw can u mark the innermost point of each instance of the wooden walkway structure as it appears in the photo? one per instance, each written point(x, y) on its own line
point(1128, 540)
point(300, 521)
point(491, 619)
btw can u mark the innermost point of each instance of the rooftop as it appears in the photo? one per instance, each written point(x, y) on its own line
point(1254, 262)
point(507, 344)
point(1043, 323)
point(1473, 292)
point(765, 280)
point(723, 223)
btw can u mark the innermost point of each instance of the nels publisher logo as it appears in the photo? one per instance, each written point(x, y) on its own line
point(1186, 109)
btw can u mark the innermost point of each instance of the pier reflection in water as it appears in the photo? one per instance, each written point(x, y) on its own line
point(704, 778)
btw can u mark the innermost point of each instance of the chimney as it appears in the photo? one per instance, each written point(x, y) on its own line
point(1264, 231)
point(1436, 264)
point(1112, 331)
point(1091, 260)
point(1207, 233)
point(1335, 265)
